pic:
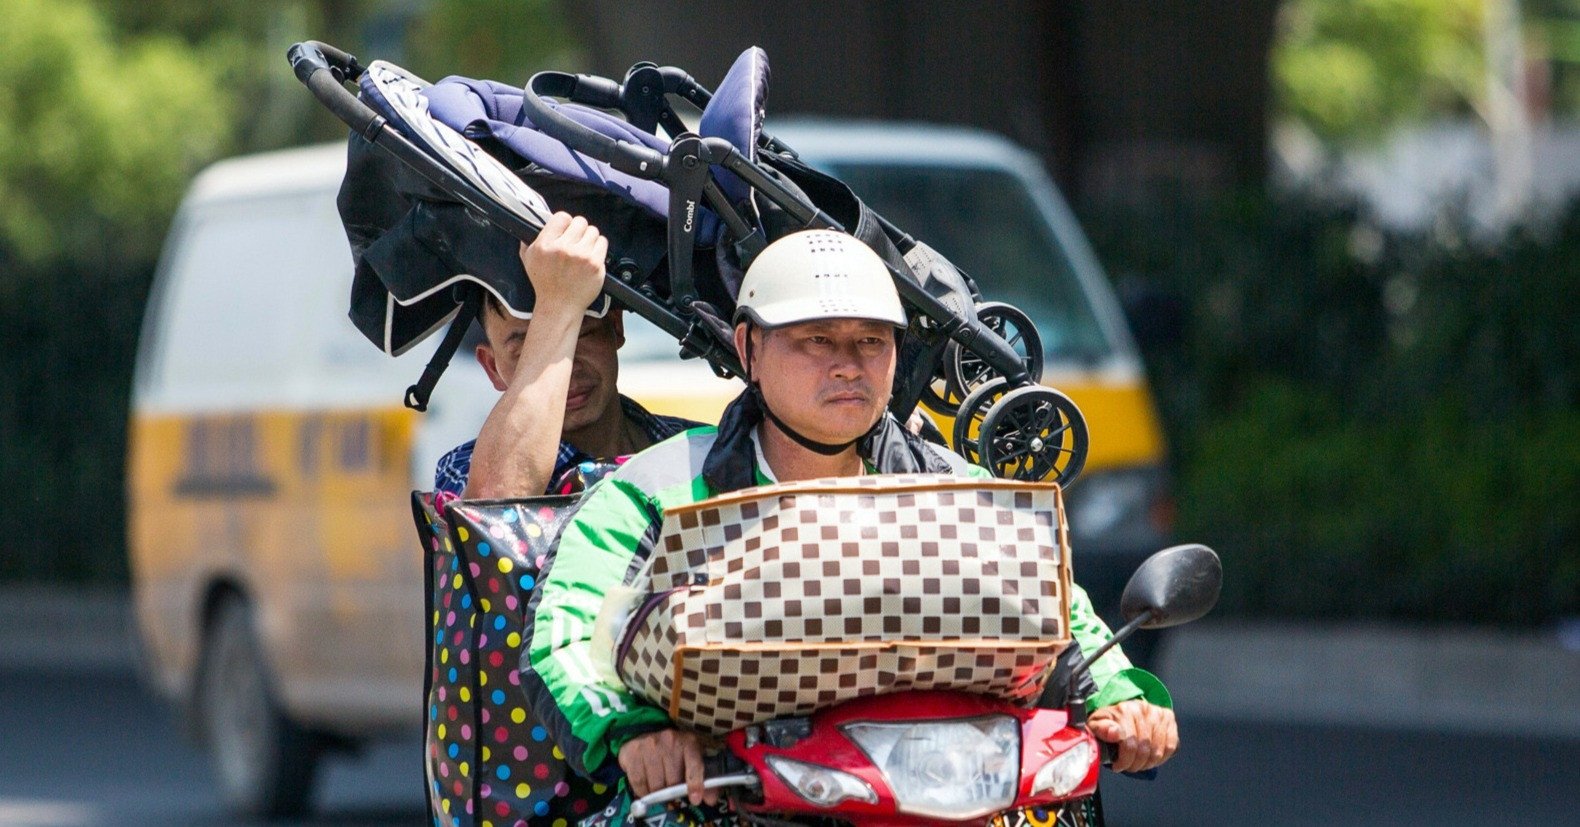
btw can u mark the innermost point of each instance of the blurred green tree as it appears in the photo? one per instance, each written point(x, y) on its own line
point(243, 43)
point(1353, 69)
point(108, 108)
point(99, 137)
point(506, 40)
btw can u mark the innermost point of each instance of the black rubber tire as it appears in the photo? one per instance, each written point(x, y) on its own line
point(938, 398)
point(265, 765)
point(964, 371)
point(971, 412)
point(1022, 427)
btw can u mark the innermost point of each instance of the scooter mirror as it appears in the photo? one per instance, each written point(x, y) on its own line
point(1176, 585)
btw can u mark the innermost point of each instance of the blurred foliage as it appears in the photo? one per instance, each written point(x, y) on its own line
point(1356, 68)
point(99, 137)
point(69, 344)
point(505, 40)
point(241, 46)
point(1555, 34)
point(1376, 426)
point(1353, 70)
point(1365, 425)
point(243, 43)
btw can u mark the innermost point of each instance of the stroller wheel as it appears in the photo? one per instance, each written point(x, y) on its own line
point(965, 371)
point(969, 418)
point(1034, 433)
point(938, 397)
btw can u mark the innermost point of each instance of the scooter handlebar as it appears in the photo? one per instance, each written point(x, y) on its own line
point(647, 802)
point(1108, 752)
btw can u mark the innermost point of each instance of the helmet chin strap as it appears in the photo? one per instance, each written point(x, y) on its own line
point(827, 449)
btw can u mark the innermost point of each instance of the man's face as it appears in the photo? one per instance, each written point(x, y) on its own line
point(828, 379)
point(595, 370)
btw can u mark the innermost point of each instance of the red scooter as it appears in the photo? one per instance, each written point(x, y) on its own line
point(947, 757)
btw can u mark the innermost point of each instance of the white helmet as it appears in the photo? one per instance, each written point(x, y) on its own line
point(818, 274)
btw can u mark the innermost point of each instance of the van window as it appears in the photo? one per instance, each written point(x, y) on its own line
point(986, 222)
point(220, 330)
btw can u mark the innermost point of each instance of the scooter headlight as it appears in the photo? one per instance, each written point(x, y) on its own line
point(952, 770)
point(1065, 772)
point(822, 786)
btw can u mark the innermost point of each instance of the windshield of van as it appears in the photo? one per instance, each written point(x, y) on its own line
point(985, 221)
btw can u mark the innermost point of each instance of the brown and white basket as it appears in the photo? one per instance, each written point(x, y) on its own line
point(784, 599)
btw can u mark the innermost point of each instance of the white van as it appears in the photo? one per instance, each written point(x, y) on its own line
point(277, 581)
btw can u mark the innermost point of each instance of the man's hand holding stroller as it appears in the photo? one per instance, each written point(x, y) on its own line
point(565, 265)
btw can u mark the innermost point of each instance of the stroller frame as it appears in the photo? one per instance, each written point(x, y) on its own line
point(1019, 421)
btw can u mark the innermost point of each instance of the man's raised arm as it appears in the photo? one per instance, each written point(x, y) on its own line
point(516, 447)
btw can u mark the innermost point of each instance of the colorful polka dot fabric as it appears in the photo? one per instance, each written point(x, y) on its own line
point(583, 476)
point(489, 763)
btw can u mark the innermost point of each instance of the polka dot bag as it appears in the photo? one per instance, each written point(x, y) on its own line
point(488, 762)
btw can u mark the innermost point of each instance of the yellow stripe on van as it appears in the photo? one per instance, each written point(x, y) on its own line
point(697, 408)
point(307, 513)
point(1122, 422)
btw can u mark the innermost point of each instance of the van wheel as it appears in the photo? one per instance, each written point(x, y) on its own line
point(265, 764)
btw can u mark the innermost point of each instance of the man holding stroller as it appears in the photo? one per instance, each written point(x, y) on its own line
point(559, 407)
point(817, 325)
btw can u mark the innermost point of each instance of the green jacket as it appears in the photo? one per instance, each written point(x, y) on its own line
point(604, 545)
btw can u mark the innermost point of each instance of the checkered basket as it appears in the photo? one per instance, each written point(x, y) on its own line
point(784, 599)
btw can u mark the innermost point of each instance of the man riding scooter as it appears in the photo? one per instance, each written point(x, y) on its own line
point(816, 327)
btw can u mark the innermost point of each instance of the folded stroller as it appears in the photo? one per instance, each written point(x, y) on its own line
point(444, 179)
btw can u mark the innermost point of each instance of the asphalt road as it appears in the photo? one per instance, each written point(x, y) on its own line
point(1239, 773)
point(91, 748)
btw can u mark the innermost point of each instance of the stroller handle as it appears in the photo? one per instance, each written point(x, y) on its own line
point(624, 156)
point(324, 69)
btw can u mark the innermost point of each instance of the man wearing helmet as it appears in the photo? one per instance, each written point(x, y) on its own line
point(817, 325)
point(556, 370)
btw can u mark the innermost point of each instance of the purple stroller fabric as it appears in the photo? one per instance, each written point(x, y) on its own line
point(488, 109)
point(736, 115)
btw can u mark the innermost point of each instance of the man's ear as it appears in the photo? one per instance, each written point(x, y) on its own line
point(742, 331)
point(485, 357)
point(617, 318)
